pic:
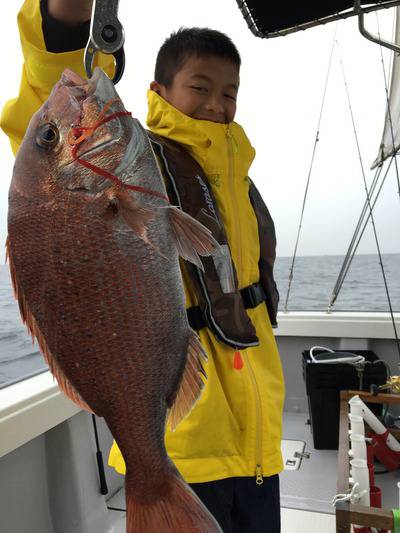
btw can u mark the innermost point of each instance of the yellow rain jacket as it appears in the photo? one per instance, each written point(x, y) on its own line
point(235, 427)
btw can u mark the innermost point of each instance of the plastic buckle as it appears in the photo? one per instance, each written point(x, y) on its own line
point(252, 296)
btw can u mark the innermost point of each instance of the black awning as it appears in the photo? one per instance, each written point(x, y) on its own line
point(267, 18)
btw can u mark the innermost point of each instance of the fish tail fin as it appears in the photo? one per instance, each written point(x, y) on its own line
point(178, 510)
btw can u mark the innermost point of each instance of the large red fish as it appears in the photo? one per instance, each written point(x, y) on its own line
point(93, 246)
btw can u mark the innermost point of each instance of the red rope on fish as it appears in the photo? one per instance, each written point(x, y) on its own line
point(85, 132)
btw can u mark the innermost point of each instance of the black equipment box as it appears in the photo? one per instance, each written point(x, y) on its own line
point(324, 381)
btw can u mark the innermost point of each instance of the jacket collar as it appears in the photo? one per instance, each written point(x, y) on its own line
point(205, 140)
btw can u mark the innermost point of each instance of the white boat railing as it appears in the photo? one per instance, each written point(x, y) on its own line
point(33, 406)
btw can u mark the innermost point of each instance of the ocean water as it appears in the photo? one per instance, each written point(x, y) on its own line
point(312, 285)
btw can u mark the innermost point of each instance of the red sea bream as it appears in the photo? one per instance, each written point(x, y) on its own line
point(93, 247)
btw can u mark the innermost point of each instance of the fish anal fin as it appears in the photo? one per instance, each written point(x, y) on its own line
point(191, 384)
point(192, 238)
point(31, 324)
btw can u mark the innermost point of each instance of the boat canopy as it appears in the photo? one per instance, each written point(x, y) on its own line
point(273, 19)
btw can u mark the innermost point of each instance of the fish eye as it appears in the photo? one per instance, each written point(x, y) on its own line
point(47, 135)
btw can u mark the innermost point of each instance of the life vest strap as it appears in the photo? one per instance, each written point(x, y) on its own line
point(252, 296)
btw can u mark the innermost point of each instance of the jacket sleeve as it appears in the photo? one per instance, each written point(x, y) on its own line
point(40, 71)
point(266, 231)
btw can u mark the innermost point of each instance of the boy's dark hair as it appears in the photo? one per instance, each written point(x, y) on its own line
point(192, 41)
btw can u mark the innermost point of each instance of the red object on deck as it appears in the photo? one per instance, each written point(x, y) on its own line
point(375, 496)
point(389, 458)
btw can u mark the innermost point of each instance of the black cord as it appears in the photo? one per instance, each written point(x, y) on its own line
point(116, 509)
point(99, 457)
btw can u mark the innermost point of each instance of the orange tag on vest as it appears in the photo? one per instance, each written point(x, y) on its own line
point(237, 361)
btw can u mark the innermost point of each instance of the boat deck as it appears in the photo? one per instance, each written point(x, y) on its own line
point(312, 487)
point(292, 519)
point(306, 493)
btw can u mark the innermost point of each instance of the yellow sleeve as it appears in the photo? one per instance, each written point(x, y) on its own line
point(40, 71)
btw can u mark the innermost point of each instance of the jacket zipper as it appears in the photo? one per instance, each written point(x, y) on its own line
point(257, 397)
point(256, 392)
point(235, 214)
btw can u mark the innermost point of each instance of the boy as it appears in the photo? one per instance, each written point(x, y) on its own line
point(228, 448)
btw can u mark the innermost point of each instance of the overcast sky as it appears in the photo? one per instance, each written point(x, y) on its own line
point(279, 102)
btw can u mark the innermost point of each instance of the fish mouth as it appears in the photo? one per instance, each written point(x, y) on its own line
point(98, 85)
point(97, 89)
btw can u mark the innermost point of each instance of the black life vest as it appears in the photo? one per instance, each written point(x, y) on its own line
point(223, 312)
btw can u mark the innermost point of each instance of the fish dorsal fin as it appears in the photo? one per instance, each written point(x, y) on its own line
point(32, 326)
point(191, 237)
point(191, 384)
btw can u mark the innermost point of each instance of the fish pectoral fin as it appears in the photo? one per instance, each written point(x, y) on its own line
point(191, 237)
point(191, 384)
point(136, 216)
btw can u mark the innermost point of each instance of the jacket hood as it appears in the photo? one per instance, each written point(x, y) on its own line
point(206, 141)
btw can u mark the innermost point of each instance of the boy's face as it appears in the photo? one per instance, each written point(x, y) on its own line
point(204, 88)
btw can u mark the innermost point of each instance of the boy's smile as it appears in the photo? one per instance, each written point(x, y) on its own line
point(205, 88)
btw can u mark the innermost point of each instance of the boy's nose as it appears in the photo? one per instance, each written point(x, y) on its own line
point(215, 105)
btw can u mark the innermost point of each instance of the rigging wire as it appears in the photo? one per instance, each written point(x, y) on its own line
point(354, 243)
point(389, 111)
point(290, 279)
point(369, 202)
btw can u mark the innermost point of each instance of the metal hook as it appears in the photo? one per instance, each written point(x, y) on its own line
point(107, 36)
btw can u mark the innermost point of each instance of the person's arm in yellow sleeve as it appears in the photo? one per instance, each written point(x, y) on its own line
point(53, 35)
point(70, 11)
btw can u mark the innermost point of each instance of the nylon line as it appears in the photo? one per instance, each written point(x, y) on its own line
point(369, 202)
point(290, 278)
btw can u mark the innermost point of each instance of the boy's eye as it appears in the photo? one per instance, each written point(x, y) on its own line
point(231, 97)
point(197, 88)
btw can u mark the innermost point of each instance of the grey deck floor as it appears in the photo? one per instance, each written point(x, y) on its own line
point(312, 487)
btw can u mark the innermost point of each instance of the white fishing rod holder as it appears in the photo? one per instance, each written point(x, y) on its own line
point(365, 33)
point(352, 477)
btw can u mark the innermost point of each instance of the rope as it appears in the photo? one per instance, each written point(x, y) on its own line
point(352, 496)
point(309, 172)
point(369, 203)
